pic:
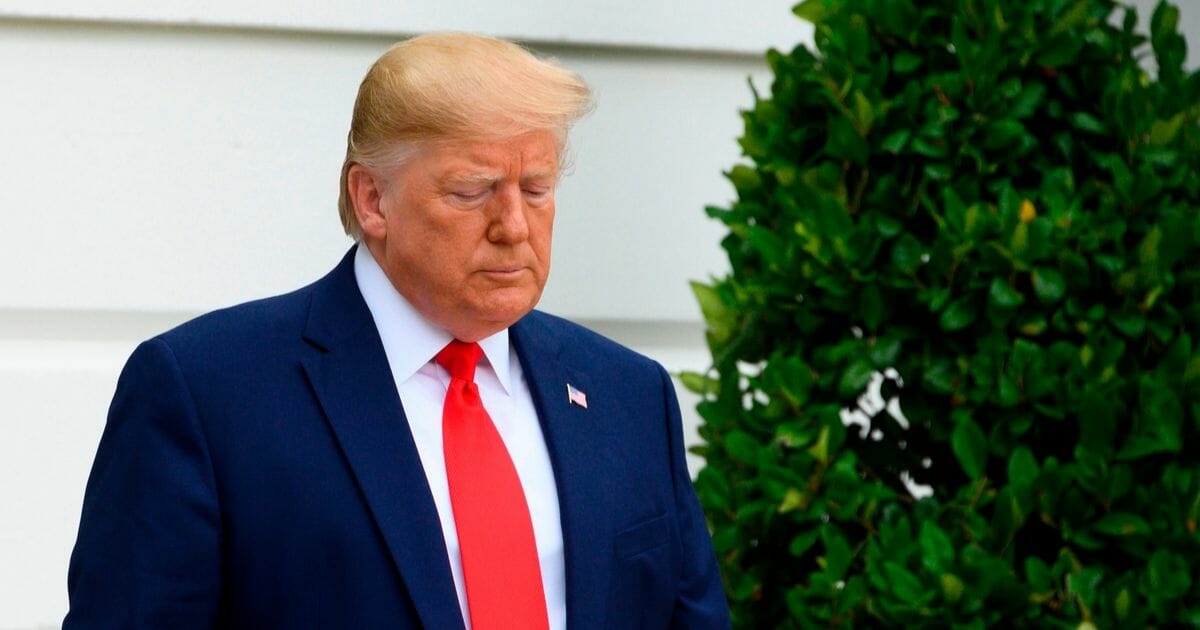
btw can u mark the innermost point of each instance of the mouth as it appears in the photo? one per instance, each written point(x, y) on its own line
point(503, 272)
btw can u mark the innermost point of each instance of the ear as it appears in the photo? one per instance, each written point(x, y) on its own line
point(366, 192)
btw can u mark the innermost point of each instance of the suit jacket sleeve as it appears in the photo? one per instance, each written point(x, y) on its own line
point(701, 602)
point(148, 550)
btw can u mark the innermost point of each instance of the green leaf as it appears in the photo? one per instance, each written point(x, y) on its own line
point(1003, 296)
point(742, 447)
point(1007, 516)
point(1129, 323)
point(906, 254)
point(768, 244)
point(1029, 100)
point(1142, 445)
point(970, 447)
point(888, 226)
point(795, 434)
point(810, 10)
point(1002, 133)
point(801, 543)
point(1019, 241)
point(1083, 583)
point(1158, 427)
point(1147, 185)
point(1059, 51)
point(855, 378)
point(952, 589)
point(1009, 393)
point(820, 449)
point(1022, 467)
point(904, 585)
point(886, 350)
point(1037, 574)
point(1148, 249)
point(1164, 22)
point(864, 111)
point(940, 377)
point(1084, 121)
point(797, 603)
point(958, 315)
point(791, 376)
point(793, 499)
point(937, 299)
point(745, 179)
point(939, 171)
point(935, 150)
point(902, 582)
point(714, 489)
point(838, 555)
point(1072, 17)
point(936, 551)
point(1031, 325)
point(699, 383)
point(1048, 284)
point(905, 62)
point(1121, 604)
point(720, 318)
point(1165, 131)
point(1167, 575)
point(846, 142)
point(896, 141)
point(725, 539)
point(1122, 524)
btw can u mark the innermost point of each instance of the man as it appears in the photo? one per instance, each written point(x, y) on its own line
point(405, 443)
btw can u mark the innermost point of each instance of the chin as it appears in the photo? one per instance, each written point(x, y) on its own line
point(506, 313)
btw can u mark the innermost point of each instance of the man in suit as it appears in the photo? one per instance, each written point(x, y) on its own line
point(405, 443)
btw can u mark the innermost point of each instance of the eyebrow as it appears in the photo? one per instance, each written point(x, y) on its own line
point(491, 178)
point(472, 178)
point(537, 175)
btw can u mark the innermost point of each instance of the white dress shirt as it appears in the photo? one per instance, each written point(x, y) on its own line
point(411, 342)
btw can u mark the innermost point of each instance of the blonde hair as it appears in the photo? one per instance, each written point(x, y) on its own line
point(454, 86)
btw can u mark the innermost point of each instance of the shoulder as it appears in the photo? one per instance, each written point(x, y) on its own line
point(250, 322)
point(585, 346)
point(270, 323)
point(234, 357)
point(241, 340)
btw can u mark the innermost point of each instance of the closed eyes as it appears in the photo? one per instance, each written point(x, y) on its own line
point(474, 196)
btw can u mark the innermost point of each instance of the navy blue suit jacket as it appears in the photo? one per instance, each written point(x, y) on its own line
point(257, 471)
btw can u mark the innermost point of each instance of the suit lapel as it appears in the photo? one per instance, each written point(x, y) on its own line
point(574, 438)
point(354, 384)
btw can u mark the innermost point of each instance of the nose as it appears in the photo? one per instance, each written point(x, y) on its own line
point(509, 223)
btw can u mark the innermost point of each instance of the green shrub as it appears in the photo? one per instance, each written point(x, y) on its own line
point(996, 200)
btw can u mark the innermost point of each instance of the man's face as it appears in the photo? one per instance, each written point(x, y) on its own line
point(467, 230)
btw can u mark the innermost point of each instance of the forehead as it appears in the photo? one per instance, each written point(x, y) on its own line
point(531, 154)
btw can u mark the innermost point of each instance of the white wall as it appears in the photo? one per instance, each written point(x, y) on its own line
point(159, 161)
point(709, 26)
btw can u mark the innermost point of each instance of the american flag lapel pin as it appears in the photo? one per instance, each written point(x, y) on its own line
point(576, 397)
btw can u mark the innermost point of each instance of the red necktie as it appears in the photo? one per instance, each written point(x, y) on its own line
point(495, 534)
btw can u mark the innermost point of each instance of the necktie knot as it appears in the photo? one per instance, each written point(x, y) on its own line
point(460, 358)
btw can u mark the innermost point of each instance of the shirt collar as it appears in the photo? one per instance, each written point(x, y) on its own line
point(409, 340)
